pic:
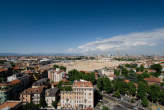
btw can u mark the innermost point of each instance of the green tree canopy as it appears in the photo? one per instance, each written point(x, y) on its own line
point(154, 93)
point(131, 89)
point(156, 67)
point(30, 106)
point(161, 98)
point(142, 89)
point(144, 102)
point(56, 66)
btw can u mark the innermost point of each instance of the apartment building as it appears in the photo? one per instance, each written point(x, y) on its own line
point(9, 90)
point(56, 75)
point(51, 95)
point(32, 95)
point(81, 97)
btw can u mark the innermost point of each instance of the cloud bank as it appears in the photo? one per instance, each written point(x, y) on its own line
point(151, 42)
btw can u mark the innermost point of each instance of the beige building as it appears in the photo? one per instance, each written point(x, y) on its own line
point(32, 95)
point(56, 75)
point(81, 97)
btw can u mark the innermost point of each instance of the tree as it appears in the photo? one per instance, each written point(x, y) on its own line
point(131, 89)
point(124, 72)
point(107, 85)
point(145, 75)
point(154, 93)
point(54, 104)
point(56, 66)
point(105, 108)
point(42, 102)
point(161, 98)
point(137, 69)
point(155, 74)
point(141, 68)
point(92, 77)
point(142, 89)
point(100, 84)
point(63, 68)
point(144, 102)
point(121, 86)
point(97, 96)
point(30, 106)
point(117, 94)
point(156, 67)
point(117, 72)
point(74, 75)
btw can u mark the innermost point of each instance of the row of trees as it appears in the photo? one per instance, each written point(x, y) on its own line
point(77, 75)
point(144, 91)
point(65, 86)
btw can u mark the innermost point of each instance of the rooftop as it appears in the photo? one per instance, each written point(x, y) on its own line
point(33, 90)
point(9, 104)
point(2, 70)
point(153, 79)
point(17, 81)
point(82, 83)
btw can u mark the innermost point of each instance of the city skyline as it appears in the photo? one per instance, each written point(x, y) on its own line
point(83, 27)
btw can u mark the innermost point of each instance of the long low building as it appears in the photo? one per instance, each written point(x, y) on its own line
point(90, 65)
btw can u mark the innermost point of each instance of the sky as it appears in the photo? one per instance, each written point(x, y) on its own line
point(82, 26)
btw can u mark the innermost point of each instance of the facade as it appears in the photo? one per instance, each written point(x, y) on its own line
point(107, 72)
point(56, 75)
point(81, 97)
point(51, 95)
point(32, 95)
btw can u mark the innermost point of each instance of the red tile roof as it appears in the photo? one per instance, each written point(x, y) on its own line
point(11, 104)
point(139, 72)
point(153, 79)
point(2, 70)
point(82, 84)
point(33, 90)
point(14, 82)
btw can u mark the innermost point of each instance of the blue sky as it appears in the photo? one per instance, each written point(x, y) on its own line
point(62, 26)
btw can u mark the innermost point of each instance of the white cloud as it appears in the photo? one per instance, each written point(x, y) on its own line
point(124, 43)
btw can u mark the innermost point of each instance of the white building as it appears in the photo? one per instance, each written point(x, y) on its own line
point(107, 71)
point(51, 95)
point(81, 97)
point(56, 75)
point(11, 78)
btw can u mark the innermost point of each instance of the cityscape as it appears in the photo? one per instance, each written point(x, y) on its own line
point(81, 55)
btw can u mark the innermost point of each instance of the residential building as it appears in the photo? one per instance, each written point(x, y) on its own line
point(81, 97)
point(51, 95)
point(32, 95)
point(11, 78)
point(9, 90)
point(107, 71)
point(24, 78)
point(56, 75)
